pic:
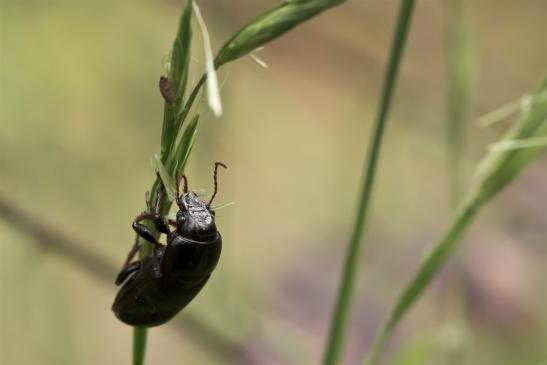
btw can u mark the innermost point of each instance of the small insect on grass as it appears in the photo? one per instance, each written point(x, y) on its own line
point(159, 286)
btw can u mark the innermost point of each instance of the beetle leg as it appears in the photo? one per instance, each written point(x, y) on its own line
point(159, 222)
point(145, 233)
point(132, 252)
point(126, 271)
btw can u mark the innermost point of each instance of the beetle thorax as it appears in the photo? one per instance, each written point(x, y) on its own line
point(197, 210)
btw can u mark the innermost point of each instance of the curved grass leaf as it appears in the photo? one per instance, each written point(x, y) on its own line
point(184, 147)
point(495, 172)
point(213, 90)
point(166, 178)
point(269, 26)
point(180, 56)
point(177, 70)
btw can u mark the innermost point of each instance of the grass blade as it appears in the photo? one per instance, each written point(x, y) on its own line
point(180, 56)
point(213, 92)
point(271, 25)
point(166, 178)
point(518, 144)
point(177, 70)
point(343, 304)
point(499, 114)
point(186, 143)
point(495, 172)
point(261, 30)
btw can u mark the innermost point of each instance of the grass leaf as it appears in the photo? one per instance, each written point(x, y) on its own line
point(213, 92)
point(180, 55)
point(518, 144)
point(178, 69)
point(269, 26)
point(166, 178)
point(182, 153)
point(494, 173)
point(500, 113)
point(498, 168)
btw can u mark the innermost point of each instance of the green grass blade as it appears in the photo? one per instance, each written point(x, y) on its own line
point(343, 305)
point(180, 56)
point(168, 129)
point(271, 25)
point(261, 30)
point(518, 144)
point(500, 167)
point(495, 172)
point(139, 345)
point(500, 113)
point(166, 178)
point(213, 89)
point(184, 147)
point(177, 70)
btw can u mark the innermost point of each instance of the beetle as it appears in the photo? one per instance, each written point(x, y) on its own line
point(159, 286)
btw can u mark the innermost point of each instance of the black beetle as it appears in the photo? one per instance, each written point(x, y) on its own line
point(162, 284)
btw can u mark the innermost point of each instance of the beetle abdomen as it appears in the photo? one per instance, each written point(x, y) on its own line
point(138, 309)
point(167, 282)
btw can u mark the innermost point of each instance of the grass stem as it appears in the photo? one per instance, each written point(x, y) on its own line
point(343, 305)
point(139, 345)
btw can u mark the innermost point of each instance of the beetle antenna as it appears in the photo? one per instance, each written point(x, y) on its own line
point(179, 177)
point(185, 183)
point(182, 177)
point(217, 164)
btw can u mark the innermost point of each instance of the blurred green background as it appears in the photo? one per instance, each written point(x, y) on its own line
point(80, 119)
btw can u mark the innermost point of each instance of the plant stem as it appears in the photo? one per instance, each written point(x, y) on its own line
point(343, 305)
point(139, 345)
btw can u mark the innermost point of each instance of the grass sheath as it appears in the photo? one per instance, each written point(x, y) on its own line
point(496, 170)
point(343, 305)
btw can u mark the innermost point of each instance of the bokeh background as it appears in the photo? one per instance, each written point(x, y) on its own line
point(80, 119)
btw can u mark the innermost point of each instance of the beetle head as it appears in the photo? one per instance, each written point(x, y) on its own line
point(194, 216)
